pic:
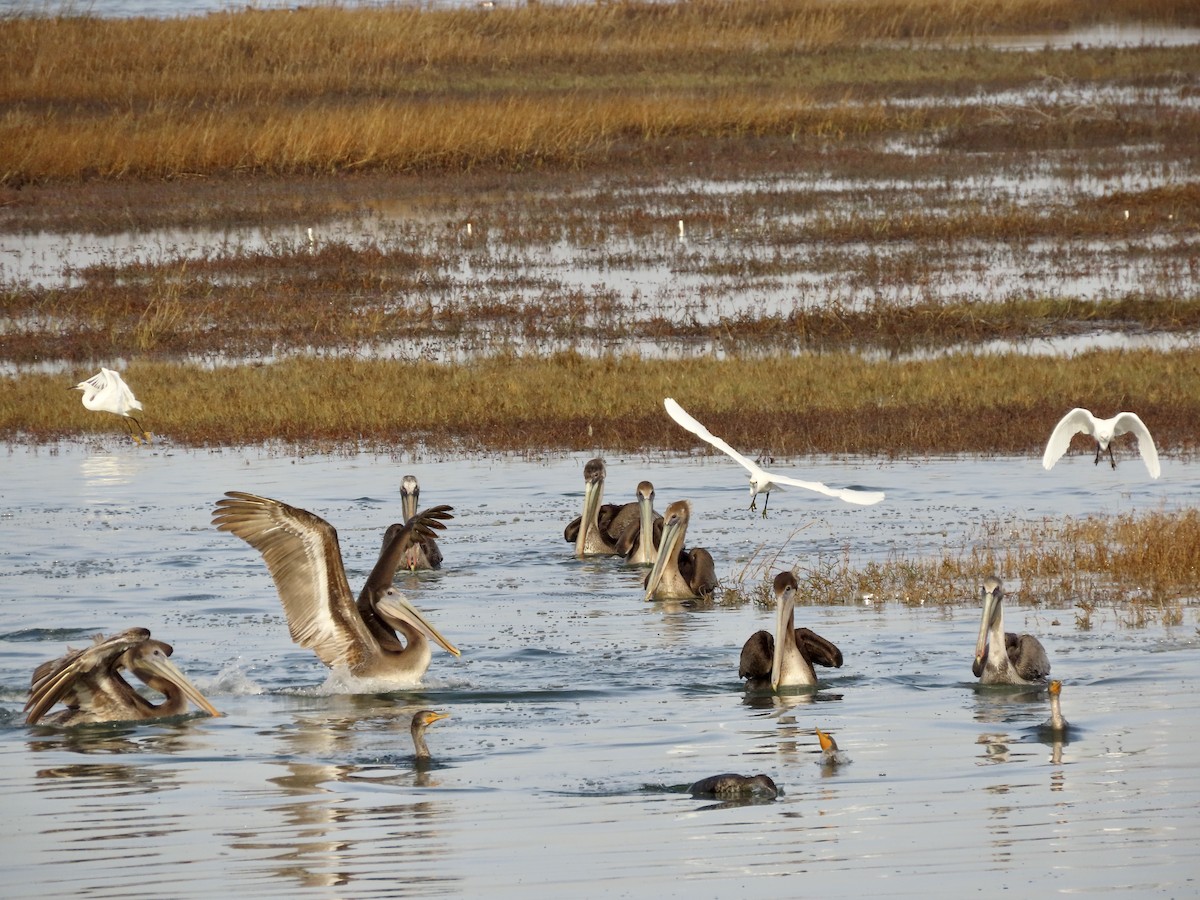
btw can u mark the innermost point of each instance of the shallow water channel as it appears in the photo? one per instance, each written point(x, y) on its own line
point(578, 711)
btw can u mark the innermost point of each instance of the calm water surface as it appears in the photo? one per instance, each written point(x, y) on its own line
point(578, 711)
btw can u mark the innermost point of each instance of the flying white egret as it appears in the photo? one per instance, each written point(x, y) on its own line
point(106, 391)
point(1081, 421)
point(762, 481)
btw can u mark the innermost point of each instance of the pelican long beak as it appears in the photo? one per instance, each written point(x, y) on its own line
point(785, 624)
point(668, 550)
point(593, 493)
point(991, 605)
point(168, 671)
point(396, 606)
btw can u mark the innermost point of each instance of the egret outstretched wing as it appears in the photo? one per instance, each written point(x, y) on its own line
point(1131, 423)
point(681, 416)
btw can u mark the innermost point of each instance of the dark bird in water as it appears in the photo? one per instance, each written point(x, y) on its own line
point(735, 787)
point(423, 553)
point(1081, 421)
point(1056, 723)
point(830, 754)
point(89, 683)
point(598, 529)
point(787, 658)
point(1003, 657)
point(302, 554)
point(639, 542)
point(680, 574)
point(421, 721)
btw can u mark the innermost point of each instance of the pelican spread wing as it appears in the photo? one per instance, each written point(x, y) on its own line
point(302, 554)
point(398, 540)
point(60, 680)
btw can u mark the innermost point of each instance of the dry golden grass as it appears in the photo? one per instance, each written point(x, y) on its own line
point(830, 403)
point(324, 89)
point(1145, 566)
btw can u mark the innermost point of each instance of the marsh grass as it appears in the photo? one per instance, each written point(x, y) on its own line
point(835, 403)
point(1144, 567)
point(323, 89)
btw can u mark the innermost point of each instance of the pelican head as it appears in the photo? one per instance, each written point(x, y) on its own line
point(149, 662)
point(397, 611)
point(409, 492)
point(589, 540)
point(675, 523)
point(782, 661)
point(992, 622)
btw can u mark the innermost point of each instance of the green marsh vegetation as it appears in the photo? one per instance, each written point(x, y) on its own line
point(892, 189)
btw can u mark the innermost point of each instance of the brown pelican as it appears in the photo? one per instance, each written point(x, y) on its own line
point(639, 542)
point(599, 528)
point(1081, 421)
point(302, 554)
point(1056, 722)
point(732, 787)
point(107, 392)
point(420, 722)
point(785, 660)
point(1003, 657)
point(89, 683)
point(679, 574)
point(424, 552)
point(761, 481)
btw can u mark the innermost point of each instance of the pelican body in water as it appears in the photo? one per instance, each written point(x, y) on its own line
point(421, 721)
point(598, 529)
point(731, 786)
point(302, 554)
point(1081, 421)
point(680, 574)
point(106, 391)
point(785, 659)
point(762, 481)
point(639, 542)
point(89, 683)
point(423, 553)
point(1003, 657)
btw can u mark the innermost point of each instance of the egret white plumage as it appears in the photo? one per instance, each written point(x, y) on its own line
point(106, 391)
point(762, 481)
point(1081, 421)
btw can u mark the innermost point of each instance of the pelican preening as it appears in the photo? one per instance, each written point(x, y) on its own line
point(733, 787)
point(302, 554)
point(107, 392)
point(679, 574)
point(89, 683)
point(1003, 657)
point(762, 481)
point(785, 659)
point(423, 553)
point(1081, 421)
point(421, 721)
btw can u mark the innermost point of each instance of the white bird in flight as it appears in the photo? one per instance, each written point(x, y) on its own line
point(1081, 421)
point(762, 481)
point(106, 391)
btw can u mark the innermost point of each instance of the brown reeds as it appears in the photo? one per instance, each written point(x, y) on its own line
point(323, 89)
point(831, 403)
point(1141, 565)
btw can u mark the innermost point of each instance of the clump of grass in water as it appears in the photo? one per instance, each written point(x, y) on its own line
point(1141, 565)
